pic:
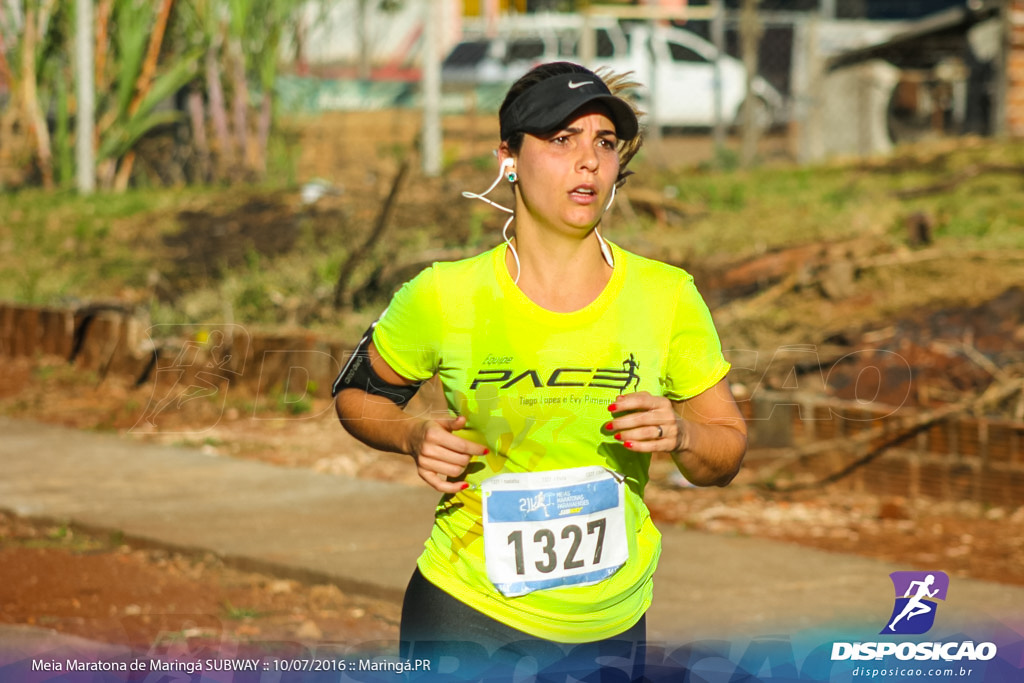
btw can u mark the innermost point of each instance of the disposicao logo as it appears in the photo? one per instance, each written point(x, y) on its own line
point(915, 607)
point(913, 613)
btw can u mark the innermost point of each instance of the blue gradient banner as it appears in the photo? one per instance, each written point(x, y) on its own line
point(983, 653)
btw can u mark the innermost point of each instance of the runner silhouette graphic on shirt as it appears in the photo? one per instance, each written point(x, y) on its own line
point(916, 604)
point(630, 365)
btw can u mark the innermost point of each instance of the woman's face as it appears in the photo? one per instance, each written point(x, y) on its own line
point(565, 179)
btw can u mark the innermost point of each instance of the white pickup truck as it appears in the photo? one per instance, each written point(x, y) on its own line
point(678, 69)
point(675, 66)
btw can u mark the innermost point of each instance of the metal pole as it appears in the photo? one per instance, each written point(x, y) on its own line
point(655, 89)
point(365, 61)
point(431, 83)
point(491, 11)
point(85, 127)
point(588, 38)
point(999, 117)
point(812, 136)
point(718, 38)
point(750, 38)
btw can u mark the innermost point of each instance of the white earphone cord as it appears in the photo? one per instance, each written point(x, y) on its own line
point(504, 231)
point(483, 195)
point(605, 249)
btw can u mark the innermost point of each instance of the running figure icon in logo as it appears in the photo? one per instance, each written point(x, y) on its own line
point(916, 593)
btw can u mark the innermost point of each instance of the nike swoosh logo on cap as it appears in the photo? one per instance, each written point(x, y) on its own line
point(573, 85)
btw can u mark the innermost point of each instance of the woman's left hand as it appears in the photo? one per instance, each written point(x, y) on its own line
point(646, 423)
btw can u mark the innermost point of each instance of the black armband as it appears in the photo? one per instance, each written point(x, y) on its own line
point(358, 373)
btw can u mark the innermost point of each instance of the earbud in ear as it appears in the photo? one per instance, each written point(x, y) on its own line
point(511, 175)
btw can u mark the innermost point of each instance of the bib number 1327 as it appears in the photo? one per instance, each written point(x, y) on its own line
point(552, 529)
point(566, 553)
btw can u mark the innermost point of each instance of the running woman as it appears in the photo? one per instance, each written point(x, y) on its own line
point(566, 363)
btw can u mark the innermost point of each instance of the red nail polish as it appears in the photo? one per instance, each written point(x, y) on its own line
point(609, 427)
point(628, 444)
point(487, 451)
point(619, 437)
point(613, 407)
point(465, 485)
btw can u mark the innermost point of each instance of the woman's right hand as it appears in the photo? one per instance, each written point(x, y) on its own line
point(440, 455)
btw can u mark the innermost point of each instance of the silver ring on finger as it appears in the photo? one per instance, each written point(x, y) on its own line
point(660, 432)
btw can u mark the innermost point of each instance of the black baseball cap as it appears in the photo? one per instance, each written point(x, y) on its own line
point(544, 106)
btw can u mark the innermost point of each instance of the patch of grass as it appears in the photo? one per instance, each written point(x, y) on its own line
point(107, 425)
point(295, 404)
point(240, 613)
point(78, 245)
point(59, 246)
point(60, 537)
point(63, 374)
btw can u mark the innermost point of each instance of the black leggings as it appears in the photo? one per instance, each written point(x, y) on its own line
point(437, 627)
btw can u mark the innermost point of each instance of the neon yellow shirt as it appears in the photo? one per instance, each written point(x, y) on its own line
point(535, 387)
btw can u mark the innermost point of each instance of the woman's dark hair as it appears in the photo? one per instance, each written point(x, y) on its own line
point(618, 84)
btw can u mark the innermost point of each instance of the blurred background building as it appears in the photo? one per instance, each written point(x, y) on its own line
point(833, 76)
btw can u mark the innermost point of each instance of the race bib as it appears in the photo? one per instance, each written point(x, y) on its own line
point(553, 529)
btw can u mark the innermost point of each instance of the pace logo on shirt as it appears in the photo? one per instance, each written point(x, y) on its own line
point(622, 380)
